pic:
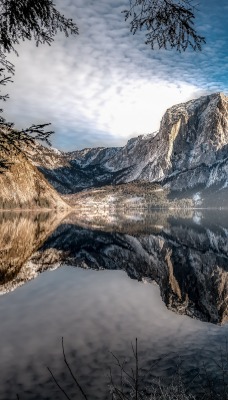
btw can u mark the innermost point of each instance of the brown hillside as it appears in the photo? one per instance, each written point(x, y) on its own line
point(22, 185)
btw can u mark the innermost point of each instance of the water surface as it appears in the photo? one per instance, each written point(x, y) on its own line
point(161, 278)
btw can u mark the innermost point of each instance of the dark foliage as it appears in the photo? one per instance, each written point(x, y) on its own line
point(14, 142)
point(29, 19)
point(3, 81)
point(21, 20)
point(168, 23)
point(14, 139)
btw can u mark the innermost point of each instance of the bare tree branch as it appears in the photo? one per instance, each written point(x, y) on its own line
point(59, 386)
point(73, 376)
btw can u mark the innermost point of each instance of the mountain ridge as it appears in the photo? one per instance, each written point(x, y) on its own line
point(188, 153)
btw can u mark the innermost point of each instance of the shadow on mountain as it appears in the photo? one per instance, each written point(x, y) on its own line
point(72, 178)
point(4, 165)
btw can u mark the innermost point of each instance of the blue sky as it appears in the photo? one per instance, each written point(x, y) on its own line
point(105, 85)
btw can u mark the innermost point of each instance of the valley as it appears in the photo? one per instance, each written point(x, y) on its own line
point(183, 165)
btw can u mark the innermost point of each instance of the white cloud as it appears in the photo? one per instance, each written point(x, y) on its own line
point(103, 86)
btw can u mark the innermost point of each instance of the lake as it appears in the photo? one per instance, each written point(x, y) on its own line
point(102, 281)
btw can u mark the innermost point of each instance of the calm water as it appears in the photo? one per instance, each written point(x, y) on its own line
point(101, 283)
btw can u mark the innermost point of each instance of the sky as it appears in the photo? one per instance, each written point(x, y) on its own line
point(105, 85)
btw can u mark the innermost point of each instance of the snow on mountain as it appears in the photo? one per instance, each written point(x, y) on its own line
point(189, 152)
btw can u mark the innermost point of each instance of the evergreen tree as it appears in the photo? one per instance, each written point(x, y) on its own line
point(26, 20)
point(168, 23)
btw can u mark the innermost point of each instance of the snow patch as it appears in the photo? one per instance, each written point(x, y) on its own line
point(197, 198)
point(56, 151)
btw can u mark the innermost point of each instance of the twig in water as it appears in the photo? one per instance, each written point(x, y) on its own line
point(73, 376)
point(56, 382)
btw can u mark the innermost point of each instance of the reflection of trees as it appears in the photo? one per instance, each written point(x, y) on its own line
point(20, 235)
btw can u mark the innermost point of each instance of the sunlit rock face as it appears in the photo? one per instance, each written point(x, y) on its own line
point(191, 134)
point(189, 152)
point(195, 132)
point(21, 184)
point(186, 259)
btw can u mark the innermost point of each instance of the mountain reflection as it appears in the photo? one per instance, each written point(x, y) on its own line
point(185, 254)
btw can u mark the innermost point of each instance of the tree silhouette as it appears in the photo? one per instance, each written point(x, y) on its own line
point(26, 20)
point(168, 23)
point(29, 19)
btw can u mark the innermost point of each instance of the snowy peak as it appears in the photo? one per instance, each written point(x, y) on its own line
point(188, 152)
point(195, 131)
point(191, 134)
point(94, 156)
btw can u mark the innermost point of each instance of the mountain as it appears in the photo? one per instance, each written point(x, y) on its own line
point(21, 184)
point(75, 171)
point(188, 155)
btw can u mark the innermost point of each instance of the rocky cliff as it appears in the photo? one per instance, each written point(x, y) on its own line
point(188, 153)
point(21, 184)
